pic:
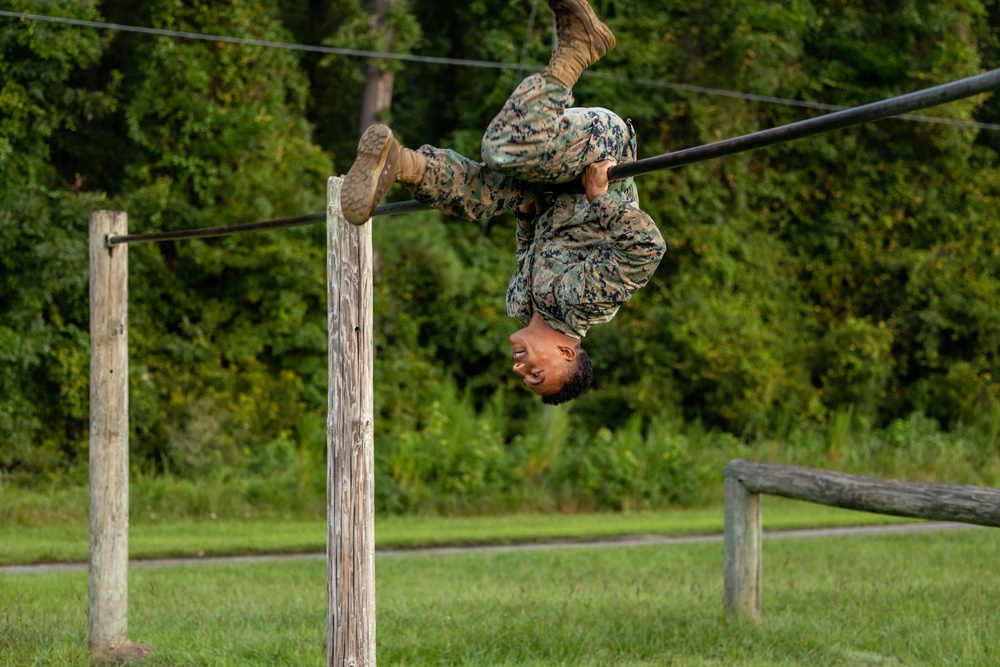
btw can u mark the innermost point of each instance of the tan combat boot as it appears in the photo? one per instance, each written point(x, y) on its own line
point(381, 161)
point(582, 40)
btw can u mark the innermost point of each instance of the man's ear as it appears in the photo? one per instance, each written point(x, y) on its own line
point(568, 353)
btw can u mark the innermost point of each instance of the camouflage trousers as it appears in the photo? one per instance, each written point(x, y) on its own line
point(537, 139)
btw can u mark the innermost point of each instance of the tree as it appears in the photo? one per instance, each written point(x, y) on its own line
point(236, 324)
point(43, 213)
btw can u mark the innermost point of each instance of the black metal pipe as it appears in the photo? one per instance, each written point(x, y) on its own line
point(205, 232)
point(894, 106)
point(298, 221)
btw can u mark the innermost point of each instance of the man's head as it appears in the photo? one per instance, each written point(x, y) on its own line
point(578, 381)
point(551, 364)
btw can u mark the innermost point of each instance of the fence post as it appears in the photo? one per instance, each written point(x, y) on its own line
point(742, 549)
point(350, 442)
point(107, 610)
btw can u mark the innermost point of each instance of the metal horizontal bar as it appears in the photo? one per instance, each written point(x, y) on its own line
point(205, 232)
point(298, 221)
point(893, 106)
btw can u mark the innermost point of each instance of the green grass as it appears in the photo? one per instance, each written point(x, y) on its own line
point(918, 599)
point(67, 542)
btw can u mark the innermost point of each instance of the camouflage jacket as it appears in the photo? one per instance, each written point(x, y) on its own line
point(578, 262)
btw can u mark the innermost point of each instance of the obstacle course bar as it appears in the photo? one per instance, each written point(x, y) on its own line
point(894, 106)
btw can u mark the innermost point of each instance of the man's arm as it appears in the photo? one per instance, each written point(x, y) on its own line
point(525, 215)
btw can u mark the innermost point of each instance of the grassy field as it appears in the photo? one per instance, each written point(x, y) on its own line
point(918, 599)
point(67, 541)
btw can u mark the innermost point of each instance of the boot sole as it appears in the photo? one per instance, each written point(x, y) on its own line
point(594, 26)
point(371, 174)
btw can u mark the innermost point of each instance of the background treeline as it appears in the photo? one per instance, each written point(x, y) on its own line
point(835, 294)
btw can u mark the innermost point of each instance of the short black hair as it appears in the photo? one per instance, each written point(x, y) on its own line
point(578, 382)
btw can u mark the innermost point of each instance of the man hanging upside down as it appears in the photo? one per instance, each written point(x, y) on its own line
point(579, 256)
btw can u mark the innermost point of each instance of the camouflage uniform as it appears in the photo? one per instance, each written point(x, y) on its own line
point(577, 261)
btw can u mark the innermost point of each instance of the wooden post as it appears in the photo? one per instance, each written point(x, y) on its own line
point(350, 443)
point(108, 594)
point(742, 545)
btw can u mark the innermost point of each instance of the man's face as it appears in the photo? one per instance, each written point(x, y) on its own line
point(541, 362)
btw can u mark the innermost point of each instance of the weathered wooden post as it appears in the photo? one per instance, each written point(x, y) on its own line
point(742, 545)
point(350, 442)
point(745, 481)
point(108, 595)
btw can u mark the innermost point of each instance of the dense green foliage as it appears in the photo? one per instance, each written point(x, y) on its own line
point(850, 276)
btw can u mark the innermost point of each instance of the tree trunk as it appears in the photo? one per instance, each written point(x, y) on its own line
point(378, 83)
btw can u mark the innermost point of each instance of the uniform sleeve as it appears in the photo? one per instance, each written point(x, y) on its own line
point(525, 235)
point(519, 289)
point(636, 244)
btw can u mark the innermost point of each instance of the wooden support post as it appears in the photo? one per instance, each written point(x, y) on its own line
point(742, 550)
point(350, 443)
point(745, 481)
point(108, 594)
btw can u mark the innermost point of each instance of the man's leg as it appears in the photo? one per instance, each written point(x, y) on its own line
point(582, 39)
point(381, 161)
point(532, 132)
point(442, 178)
point(534, 137)
point(516, 136)
point(465, 188)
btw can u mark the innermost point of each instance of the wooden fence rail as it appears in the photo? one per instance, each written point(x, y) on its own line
point(745, 481)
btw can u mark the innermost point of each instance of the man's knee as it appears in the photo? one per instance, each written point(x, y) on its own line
point(492, 153)
point(501, 154)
